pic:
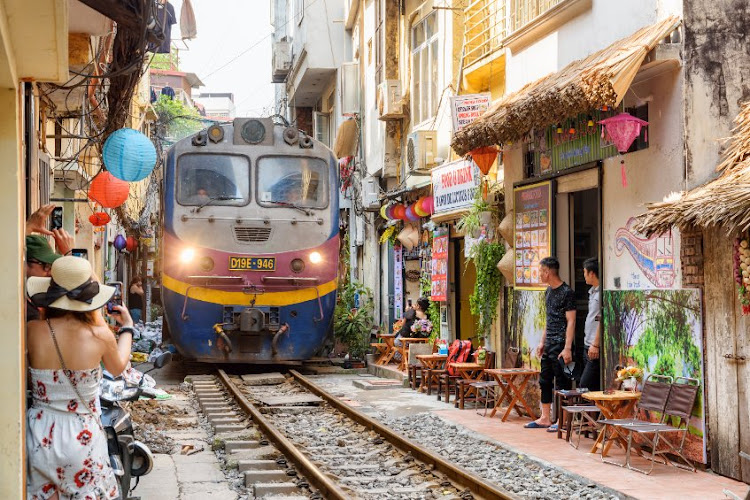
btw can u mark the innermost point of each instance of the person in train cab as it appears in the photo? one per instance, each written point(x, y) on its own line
point(592, 329)
point(66, 445)
point(557, 338)
point(201, 196)
point(39, 253)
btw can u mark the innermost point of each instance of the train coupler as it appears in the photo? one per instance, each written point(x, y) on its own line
point(227, 344)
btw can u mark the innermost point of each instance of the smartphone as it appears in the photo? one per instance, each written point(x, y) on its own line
point(56, 219)
point(116, 299)
point(80, 252)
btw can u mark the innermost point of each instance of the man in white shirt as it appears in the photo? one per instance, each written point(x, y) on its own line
point(590, 378)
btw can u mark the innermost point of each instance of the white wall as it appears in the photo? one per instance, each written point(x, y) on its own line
point(321, 33)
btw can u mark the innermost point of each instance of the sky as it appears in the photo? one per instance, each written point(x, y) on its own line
point(232, 51)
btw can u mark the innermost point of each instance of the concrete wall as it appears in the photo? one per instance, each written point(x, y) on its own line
point(321, 33)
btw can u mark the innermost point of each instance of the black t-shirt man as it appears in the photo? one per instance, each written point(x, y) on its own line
point(559, 301)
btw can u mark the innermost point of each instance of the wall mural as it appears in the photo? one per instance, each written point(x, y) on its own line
point(659, 331)
point(526, 318)
point(654, 256)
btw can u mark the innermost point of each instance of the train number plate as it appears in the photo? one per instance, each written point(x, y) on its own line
point(252, 263)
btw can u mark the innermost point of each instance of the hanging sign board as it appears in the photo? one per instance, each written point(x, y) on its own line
point(467, 108)
point(398, 282)
point(454, 185)
point(533, 231)
point(439, 291)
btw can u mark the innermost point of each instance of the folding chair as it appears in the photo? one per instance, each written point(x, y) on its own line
point(580, 419)
point(679, 405)
point(466, 387)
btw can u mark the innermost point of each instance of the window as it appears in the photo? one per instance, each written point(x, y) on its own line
point(213, 179)
point(379, 41)
point(286, 180)
point(425, 68)
point(322, 127)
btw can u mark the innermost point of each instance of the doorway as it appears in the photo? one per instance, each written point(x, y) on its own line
point(463, 283)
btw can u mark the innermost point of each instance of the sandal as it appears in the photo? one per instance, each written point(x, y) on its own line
point(534, 425)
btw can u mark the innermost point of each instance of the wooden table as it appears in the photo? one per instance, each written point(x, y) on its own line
point(513, 381)
point(390, 349)
point(430, 362)
point(466, 371)
point(404, 349)
point(619, 404)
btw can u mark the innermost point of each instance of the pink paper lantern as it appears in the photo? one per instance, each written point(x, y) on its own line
point(428, 204)
point(622, 130)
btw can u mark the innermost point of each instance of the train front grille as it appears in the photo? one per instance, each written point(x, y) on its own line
point(248, 234)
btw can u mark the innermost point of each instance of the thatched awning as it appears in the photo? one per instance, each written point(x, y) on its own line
point(600, 79)
point(722, 202)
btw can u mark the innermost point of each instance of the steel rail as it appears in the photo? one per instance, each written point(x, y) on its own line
point(312, 473)
point(461, 476)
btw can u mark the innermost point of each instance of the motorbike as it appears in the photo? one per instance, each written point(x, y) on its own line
point(128, 457)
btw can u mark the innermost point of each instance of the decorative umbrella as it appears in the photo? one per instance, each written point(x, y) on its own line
point(622, 130)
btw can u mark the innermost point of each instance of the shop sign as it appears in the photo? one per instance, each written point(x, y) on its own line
point(439, 291)
point(398, 282)
point(454, 185)
point(467, 108)
point(533, 231)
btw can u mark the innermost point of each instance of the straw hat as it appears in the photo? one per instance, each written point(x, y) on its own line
point(507, 264)
point(71, 287)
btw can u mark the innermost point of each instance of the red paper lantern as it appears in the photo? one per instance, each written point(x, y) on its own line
point(131, 244)
point(108, 191)
point(484, 158)
point(99, 218)
point(399, 212)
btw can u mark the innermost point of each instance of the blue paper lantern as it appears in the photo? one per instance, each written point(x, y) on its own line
point(120, 243)
point(129, 155)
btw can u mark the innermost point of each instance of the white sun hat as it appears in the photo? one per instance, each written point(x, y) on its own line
point(71, 287)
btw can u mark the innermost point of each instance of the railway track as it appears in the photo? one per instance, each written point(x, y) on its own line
point(330, 450)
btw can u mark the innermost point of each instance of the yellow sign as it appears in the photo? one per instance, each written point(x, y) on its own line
point(252, 263)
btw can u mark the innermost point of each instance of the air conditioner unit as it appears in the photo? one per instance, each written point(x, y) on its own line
point(390, 103)
point(370, 194)
point(281, 60)
point(349, 85)
point(72, 176)
point(421, 149)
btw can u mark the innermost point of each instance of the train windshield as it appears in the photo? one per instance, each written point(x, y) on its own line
point(284, 180)
point(213, 179)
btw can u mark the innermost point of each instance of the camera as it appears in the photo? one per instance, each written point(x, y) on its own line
point(56, 219)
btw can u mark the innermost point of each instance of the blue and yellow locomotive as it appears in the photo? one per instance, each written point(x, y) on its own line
point(250, 243)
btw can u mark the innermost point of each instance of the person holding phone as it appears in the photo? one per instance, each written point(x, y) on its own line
point(66, 445)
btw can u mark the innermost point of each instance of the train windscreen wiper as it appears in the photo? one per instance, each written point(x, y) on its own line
point(213, 199)
point(289, 204)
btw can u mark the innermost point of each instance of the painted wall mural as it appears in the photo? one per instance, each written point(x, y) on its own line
point(654, 257)
point(659, 331)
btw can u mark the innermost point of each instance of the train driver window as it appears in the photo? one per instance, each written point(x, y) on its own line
point(211, 179)
point(291, 180)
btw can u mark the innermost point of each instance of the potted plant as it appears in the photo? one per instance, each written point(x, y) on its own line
point(353, 320)
point(630, 376)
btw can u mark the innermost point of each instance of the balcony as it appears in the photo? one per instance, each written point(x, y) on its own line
point(485, 27)
point(523, 12)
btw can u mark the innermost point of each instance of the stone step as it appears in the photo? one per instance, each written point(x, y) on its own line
point(262, 490)
point(265, 476)
point(228, 427)
point(209, 393)
point(262, 453)
point(211, 402)
point(234, 419)
point(216, 408)
point(264, 379)
point(193, 378)
point(218, 416)
point(235, 446)
point(250, 465)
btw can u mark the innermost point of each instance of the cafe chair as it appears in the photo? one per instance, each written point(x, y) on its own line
point(679, 406)
point(414, 367)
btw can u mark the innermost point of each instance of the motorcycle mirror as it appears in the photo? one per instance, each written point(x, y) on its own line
point(163, 359)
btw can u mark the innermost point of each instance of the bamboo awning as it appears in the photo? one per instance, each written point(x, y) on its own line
point(722, 202)
point(600, 79)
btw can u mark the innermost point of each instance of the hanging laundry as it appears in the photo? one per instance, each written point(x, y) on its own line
point(168, 91)
point(188, 28)
point(165, 18)
point(154, 97)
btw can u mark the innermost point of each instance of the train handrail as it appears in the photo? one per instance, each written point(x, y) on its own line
point(265, 220)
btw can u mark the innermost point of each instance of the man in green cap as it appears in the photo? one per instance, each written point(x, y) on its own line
point(39, 253)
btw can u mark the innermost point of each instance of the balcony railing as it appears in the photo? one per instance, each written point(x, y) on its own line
point(488, 22)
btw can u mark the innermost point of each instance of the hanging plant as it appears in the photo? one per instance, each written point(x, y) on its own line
point(486, 295)
point(433, 312)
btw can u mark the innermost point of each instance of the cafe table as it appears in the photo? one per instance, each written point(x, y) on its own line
point(513, 381)
point(467, 371)
point(430, 362)
point(617, 404)
point(404, 349)
point(390, 349)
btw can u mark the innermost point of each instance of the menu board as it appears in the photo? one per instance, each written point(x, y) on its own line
point(439, 291)
point(533, 232)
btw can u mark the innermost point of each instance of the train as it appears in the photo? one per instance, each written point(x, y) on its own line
point(249, 243)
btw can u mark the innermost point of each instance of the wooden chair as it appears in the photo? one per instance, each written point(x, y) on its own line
point(465, 386)
point(414, 366)
point(447, 381)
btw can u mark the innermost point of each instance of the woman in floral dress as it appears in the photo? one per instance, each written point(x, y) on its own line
point(65, 443)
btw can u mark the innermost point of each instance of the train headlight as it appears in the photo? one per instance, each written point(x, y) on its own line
point(187, 255)
point(297, 265)
point(206, 263)
point(316, 258)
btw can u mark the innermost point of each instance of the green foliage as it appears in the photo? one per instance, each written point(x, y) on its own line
point(489, 282)
point(471, 222)
point(175, 120)
point(352, 325)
